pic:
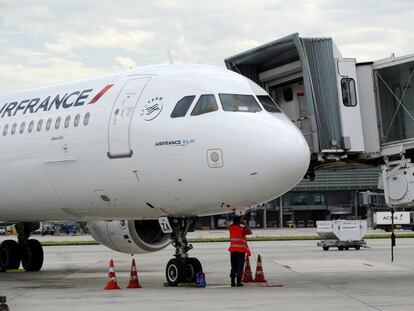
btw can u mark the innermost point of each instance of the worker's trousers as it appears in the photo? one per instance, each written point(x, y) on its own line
point(237, 265)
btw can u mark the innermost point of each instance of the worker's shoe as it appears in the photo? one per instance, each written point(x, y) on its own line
point(240, 284)
point(233, 282)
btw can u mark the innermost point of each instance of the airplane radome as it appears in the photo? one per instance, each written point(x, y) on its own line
point(141, 155)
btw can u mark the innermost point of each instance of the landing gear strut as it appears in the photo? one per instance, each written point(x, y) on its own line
point(27, 251)
point(182, 269)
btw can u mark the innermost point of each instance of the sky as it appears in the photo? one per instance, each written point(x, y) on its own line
point(48, 41)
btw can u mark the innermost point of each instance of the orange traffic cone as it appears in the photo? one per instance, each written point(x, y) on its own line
point(111, 284)
point(133, 281)
point(259, 277)
point(247, 273)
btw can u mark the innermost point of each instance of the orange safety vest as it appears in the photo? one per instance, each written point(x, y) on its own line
point(238, 241)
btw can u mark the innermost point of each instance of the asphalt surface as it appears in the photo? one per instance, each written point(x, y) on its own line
point(306, 277)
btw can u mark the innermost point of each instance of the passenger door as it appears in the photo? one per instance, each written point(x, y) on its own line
point(119, 124)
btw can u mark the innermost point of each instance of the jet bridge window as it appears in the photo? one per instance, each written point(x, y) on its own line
point(182, 106)
point(240, 103)
point(348, 92)
point(205, 104)
point(268, 103)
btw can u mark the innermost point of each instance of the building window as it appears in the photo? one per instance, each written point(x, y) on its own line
point(31, 125)
point(77, 118)
point(57, 123)
point(22, 126)
point(67, 121)
point(348, 88)
point(182, 106)
point(86, 120)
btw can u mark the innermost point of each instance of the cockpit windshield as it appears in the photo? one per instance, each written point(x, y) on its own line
point(268, 103)
point(240, 103)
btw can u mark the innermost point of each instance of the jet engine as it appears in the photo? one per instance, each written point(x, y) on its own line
point(129, 236)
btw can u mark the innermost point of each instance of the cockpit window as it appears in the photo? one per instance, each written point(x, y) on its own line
point(242, 103)
point(181, 108)
point(205, 104)
point(268, 103)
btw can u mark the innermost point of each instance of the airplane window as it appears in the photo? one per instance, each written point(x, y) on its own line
point(67, 121)
point(86, 120)
point(39, 125)
point(48, 124)
point(5, 129)
point(241, 103)
point(182, 107)
point(205, 104)
point(31, 125)
point(22, 126)
point(77, 118)
point(268, 103)
point(57, 123)
point(13, 130)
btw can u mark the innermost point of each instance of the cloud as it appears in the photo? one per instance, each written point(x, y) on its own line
point(92, 37)
point(125, 62)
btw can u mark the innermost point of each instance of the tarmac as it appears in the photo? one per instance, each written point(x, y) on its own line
point(300, 276)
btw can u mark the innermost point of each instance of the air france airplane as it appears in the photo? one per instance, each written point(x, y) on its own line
point(140, 156)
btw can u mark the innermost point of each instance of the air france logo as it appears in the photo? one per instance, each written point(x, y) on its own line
point(58, 101)
point(152, 108)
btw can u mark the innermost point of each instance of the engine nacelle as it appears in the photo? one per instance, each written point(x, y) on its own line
point(130, 236)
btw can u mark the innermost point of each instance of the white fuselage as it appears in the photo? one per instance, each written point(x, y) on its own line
point(132, 160)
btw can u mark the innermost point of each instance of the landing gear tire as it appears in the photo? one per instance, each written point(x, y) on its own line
point(32, 255)
point(325, 248)
point(174, 272)
point(9, 255)
point(340, 248)
point(357, 247)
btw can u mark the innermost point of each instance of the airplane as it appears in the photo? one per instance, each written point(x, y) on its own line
point(140, 155)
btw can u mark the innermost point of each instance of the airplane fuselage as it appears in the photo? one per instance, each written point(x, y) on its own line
point(108, 148)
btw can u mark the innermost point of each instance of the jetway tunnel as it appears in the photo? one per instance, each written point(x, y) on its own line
point(353, 115)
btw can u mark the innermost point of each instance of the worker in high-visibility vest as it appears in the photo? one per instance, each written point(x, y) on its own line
point(238, 249)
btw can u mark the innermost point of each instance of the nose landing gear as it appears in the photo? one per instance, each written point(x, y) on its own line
point(182, 269)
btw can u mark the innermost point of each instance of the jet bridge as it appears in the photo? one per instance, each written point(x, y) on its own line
point(352, 114)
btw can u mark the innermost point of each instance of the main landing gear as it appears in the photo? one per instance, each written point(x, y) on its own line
point(27, 251)
point(182, 269)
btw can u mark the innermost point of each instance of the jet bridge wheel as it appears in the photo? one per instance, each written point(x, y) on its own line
point(32, 255)
point(9, 255)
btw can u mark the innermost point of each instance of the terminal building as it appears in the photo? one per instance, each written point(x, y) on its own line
point(358, 120)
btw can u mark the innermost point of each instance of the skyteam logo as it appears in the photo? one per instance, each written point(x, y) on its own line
point(152, 109)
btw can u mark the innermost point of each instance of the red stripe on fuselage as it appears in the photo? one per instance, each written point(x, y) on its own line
point(100, 94)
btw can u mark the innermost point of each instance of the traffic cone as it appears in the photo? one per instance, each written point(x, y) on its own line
point(259, 277)
point(133, 280)
point(247, 273)
point(111, 284)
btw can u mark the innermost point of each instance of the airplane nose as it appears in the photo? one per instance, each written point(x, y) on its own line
point(278, 155)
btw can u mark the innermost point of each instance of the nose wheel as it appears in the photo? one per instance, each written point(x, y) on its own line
point(182, 269)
